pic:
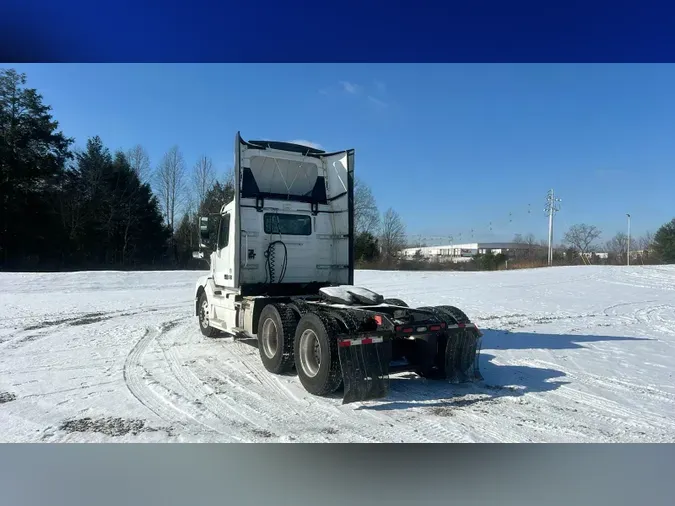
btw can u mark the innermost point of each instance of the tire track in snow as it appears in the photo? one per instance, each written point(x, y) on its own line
point(613, 415)
point(163, 405)
point(240, 413)
point(347, 418)
point(459, 420)
point(612, 420)
point(334, 415)
point(45, 326)
point(617, 385)
point(665, 325)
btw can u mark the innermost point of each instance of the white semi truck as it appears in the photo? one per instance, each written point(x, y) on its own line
point(282, 271)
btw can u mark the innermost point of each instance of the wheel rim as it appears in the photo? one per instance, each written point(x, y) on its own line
point(204, 314)
point(270, 338)
point(310, 353)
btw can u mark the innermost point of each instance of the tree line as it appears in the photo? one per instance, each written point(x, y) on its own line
point(66, 208)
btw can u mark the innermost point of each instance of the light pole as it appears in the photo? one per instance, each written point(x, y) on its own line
point(628, 245)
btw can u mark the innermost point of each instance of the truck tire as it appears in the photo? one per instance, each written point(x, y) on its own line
point(316, 354)
point(429, 363)
point(204, 325)
point(276, 330)
point(457, 314)
point(472, 349)
point(395, 302)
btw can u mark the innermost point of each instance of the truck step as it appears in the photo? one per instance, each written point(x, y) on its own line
point(238, 333)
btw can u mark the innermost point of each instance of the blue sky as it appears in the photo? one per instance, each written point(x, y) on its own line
point(453, 148)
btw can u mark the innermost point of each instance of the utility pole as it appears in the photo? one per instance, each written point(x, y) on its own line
point(628, 246)
point(552, 207)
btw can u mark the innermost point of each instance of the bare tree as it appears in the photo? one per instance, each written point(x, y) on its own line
point(139, 161)
point(530, 241)
point(171, 183)
point(646, 242)
point(581, 237)
point(618, 246)
point(203, 177)
point(392, 239)
point(366, 215)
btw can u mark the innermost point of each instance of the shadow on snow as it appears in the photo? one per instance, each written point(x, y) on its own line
point(509, 340)
point(408, 390)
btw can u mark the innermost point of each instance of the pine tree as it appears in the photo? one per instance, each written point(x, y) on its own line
point(116, 218)
point(33, 154)
point(664, 242)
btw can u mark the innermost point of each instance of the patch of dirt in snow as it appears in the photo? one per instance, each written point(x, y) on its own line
point(6, 397)
point(263, 433)
point(78, 320)
point(502, 317)
point(109, 426)
point(89, 320)
point(169, 325)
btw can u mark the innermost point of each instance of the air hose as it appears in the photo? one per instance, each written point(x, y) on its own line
point(270, 254)
point(269, 262)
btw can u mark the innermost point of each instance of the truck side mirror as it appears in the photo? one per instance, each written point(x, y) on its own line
point(204, 228)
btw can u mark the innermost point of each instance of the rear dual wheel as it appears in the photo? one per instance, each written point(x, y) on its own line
point(430, 356)
point(309, 343)
point(316, 354)
point(276, 331)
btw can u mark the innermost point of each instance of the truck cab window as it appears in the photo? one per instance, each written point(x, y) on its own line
point(287, 224)
point(224, 231)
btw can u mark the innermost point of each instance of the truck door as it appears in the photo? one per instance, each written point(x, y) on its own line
point(223, 271)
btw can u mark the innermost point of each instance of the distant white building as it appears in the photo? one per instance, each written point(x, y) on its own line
point(464, 252)
point(599, 254)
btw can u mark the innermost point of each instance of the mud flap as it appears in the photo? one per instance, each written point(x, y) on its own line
point(462, 355)
point(365, 370)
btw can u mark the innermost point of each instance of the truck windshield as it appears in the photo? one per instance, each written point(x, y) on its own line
point(287, 224)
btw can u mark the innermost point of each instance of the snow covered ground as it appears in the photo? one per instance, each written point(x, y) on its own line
point(582, 354)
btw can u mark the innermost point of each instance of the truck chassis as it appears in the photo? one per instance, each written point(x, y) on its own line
point(353, 340)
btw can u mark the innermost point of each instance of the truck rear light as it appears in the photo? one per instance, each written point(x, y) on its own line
point(434, 328)
point(421, 329)
point(408, 330)
point(398, 328)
